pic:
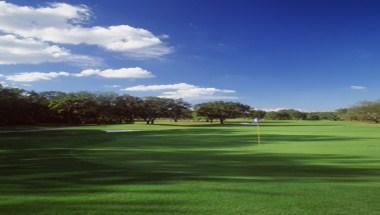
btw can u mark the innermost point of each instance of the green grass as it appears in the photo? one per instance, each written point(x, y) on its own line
point(301, 168)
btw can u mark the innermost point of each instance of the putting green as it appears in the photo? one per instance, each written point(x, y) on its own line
point(301, 167)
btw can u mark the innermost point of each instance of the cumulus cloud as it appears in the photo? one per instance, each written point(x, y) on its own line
point(356, 87)
point(134, 72)
point(35, 76)
point(185, 91)
point(63, 23)
point(16, 50)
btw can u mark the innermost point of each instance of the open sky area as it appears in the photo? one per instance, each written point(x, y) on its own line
point(309, 55)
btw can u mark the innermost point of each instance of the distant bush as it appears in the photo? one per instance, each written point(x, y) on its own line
point(322, 116)
point(313, 116)
point(364, 111)
point(278, 115)
point(286, 114)
point(257, 114)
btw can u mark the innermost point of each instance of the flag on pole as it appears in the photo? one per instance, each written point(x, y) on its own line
point(256, 122)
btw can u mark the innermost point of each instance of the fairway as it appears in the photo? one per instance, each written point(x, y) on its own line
point(300, 167)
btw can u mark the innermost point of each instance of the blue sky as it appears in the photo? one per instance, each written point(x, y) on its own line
point(310, 55)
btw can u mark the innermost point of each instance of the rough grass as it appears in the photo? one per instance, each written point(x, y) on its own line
point(301, 168)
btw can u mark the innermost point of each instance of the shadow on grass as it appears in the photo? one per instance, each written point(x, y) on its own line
point(247, 124)
point(81, 160)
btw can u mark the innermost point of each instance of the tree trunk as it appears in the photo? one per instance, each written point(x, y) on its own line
point(152, 121)
point(221, 121)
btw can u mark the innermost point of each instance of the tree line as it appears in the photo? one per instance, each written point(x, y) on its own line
point(21, 107)
point(364, 111)
point(368, 111)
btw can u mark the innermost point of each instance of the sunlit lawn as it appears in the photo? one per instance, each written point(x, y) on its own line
point(309, 167)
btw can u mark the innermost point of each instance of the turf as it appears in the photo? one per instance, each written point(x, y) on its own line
point(301, 168)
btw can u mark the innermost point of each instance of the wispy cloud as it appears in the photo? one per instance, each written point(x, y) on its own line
point(185, 91)
point(134, 72)
point(357, 87)
point(16, 50)
point(112, 86)
point(125, 73)
point(35, 76)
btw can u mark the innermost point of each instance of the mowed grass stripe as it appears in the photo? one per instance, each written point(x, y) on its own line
point(301, 167)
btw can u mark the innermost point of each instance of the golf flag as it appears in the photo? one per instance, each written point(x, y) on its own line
point(256, 122)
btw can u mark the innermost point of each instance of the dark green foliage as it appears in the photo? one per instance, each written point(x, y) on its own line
point(153, 108)
point(278, 115)
point(126, 108)
point(80, 108)
point(22, 107)
point(322, 116)
point(313, 116)
point(257, 114)
point(178, 109)
point(286, 114)
point(18, 107)
point(222, 110)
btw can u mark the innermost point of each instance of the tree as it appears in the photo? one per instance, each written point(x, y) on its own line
point(76, 108)
point(364, 111)
point(313, 116)
point(257, 114)
point(127, 108)
point(278, 115)
point(153, 108)
point(106, 103)
point(295, 114)
point(178, 109)
point(12, 106)
point(327, 115)
point(286, 114)
point(222, 110)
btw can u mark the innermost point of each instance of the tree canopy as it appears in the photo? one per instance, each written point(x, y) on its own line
point(222, 110)
point(22, 107)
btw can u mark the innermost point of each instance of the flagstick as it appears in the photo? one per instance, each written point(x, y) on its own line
point(258, 133)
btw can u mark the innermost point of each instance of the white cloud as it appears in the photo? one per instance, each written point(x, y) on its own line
point(35, 76)
point(180, 86)
point(356, 87)
point(185, 91)
point(134, 72)
point(112, 86)
point(66, 24)
point(4, 84)
point(15, 50)
point(276, 109)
